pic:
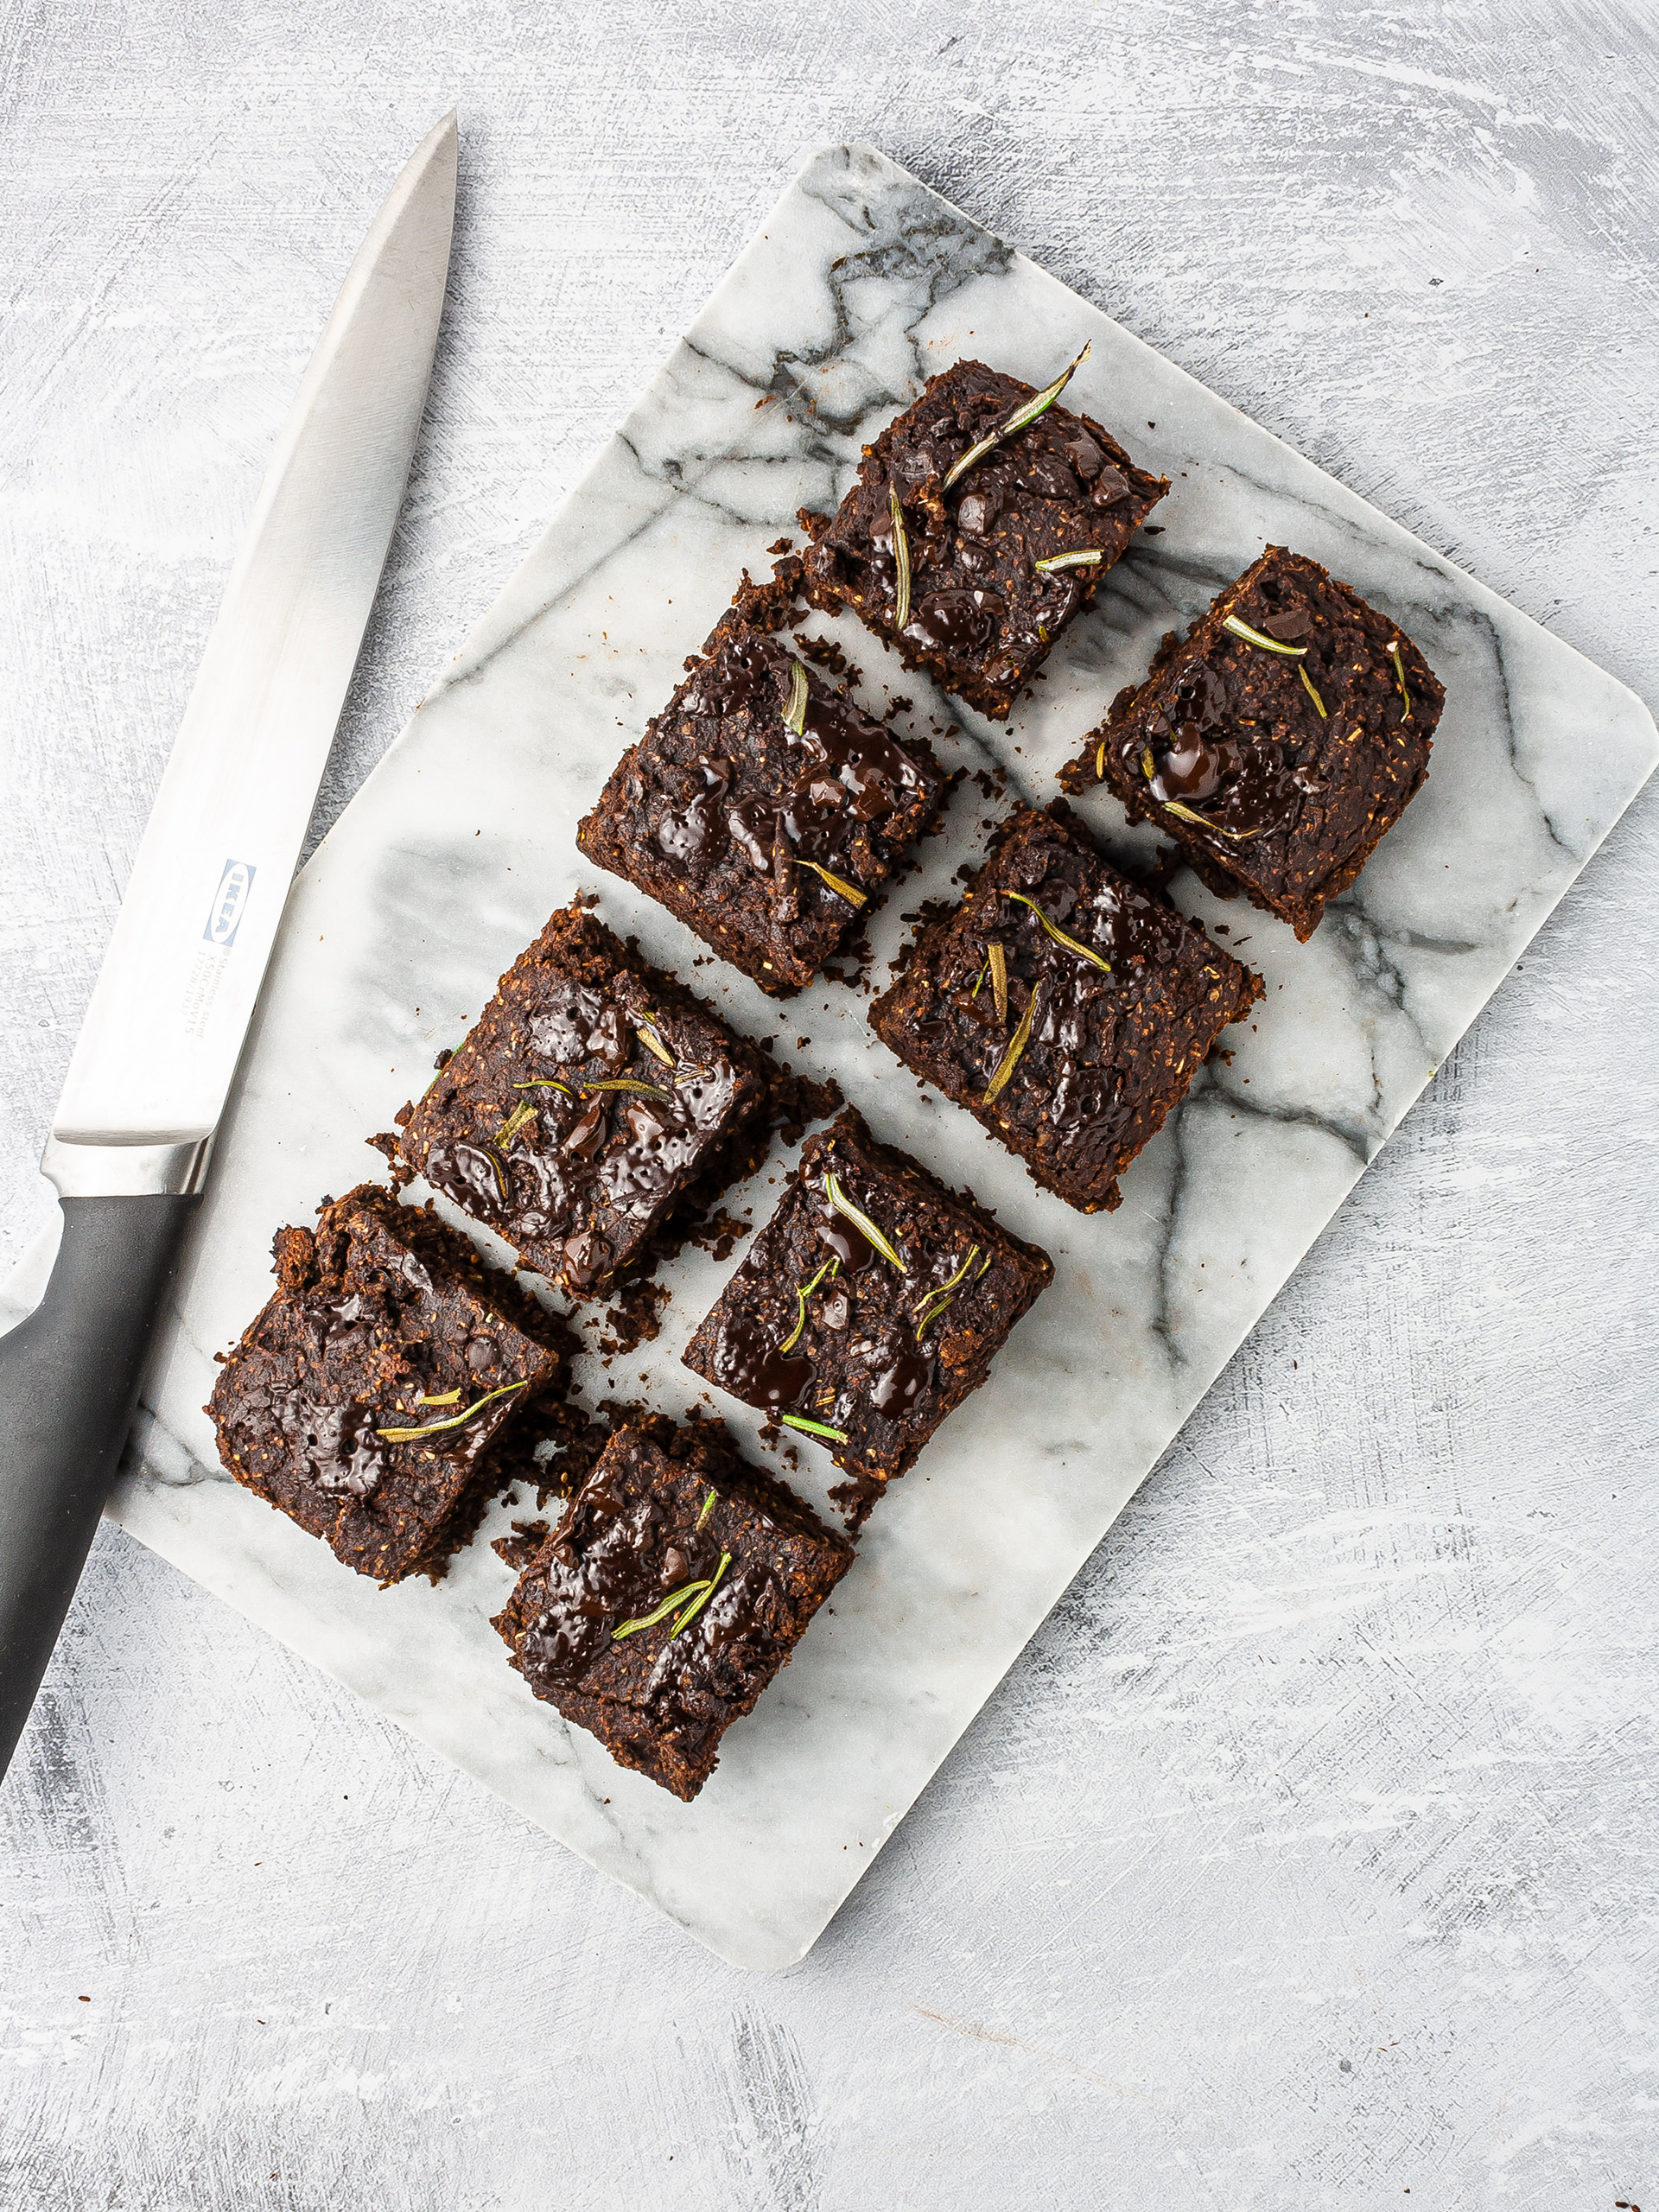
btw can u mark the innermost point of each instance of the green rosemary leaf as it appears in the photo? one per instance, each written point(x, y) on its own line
point(1091, 557)
point(1189, 814)
point(1400, 671)
point(999, 960)
point(546, 1083)
point(935, 1303)
point(1028, 412)
point(708, 1508)
point(1257, 637)
point(646, 1027)
point(1017, 1044)
point(795, 710)
point(984, 970)
point(901, 562)
point(697, 1603)
point(831, 1265)
point(1072, 945)
point(668, 1605)
point(443, 1398)
point(848, 891)
point(522, 1112)
point(1307, 684)
point(455, 1420)
point(627, 1083)
point(861, 1220)
point(813, 1427)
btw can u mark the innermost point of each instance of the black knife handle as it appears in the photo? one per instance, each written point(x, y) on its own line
point(69, 1378)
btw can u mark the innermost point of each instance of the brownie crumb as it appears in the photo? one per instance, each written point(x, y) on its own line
point(721, 1234)
point(389, 1144)
point(527, 1539)
point(635, 1320)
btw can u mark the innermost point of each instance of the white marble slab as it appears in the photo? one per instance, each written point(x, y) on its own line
point(858, 284)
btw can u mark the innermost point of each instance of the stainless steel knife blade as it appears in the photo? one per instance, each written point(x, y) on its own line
point(161, 1040)
point(130, 1143)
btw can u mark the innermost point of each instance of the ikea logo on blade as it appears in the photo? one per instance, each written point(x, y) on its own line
point(224, 915)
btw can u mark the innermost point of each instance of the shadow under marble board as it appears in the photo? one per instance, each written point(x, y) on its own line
point(860, 283)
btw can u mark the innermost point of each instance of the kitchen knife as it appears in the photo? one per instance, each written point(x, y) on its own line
point(134, 1129)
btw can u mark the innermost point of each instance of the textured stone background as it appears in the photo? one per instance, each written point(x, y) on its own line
point(1309, 1856)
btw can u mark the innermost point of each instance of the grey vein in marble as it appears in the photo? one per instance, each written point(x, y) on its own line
point(861, 282)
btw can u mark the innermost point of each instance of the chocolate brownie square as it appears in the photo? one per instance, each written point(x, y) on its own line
point(1065, 1008)
point(870, 1306)
point(763, 808)
point(981, 522)
point(678, 1583)
point(592, 1099)
point(1278, 742)
point(368, 1400)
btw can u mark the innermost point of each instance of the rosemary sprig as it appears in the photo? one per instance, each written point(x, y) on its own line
point(936, 1301)
point(546, 1083)
point(1307, 684)
point(1400, 671)
point(901, 561)
point(1091, 557)
point(670, 1605)
point(455, 1420)
point(795, 706)
point(813, 1427)
point(626, 1083)
point(646, 1028)
point(1190, 814)
point(697, 1603)
point(1072, 945)
point(1038, 405)
point(861, 1220)
point(708, 1508)
point(522, 1112)
point(1259, 638)
point(441, 1398)
point(832, 1267)
point(1017, 1044)
point(999, 960)
point(848, 891)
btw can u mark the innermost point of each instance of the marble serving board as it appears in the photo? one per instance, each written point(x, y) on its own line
point(858, 284)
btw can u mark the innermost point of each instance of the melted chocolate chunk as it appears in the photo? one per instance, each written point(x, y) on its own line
point(335, 1446)
point(748, 1363)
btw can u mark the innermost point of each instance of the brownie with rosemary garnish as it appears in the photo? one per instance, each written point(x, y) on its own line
point(1065, 1007)
point(981, 523)
point(870, 1306)
point(678, 1583)
point(764, 807)
point(593, 1098)
point(1278, 742)
point(370, 1400)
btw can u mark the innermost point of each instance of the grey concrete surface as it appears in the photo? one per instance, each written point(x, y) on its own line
point(1309, 1856)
